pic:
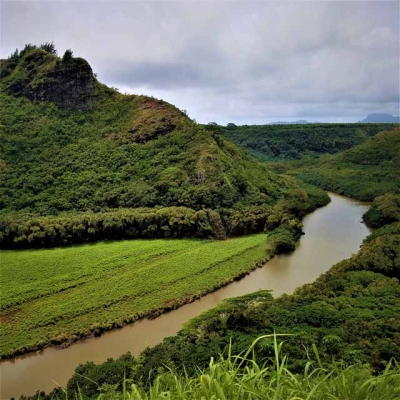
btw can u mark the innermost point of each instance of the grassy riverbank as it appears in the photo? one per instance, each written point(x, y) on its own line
point(59, 295)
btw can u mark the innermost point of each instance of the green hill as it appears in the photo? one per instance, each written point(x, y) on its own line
point(71, 145)
point(364, 172)
point(295, 141)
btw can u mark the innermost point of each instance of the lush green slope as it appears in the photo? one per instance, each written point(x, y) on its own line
point(288, 142)
point(368, 170)
point(130, 151)
point(105, 285)
point(116, 151)
point(55, 160)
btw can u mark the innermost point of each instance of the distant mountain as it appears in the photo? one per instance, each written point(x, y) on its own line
point(299, 122)
point(374, 118)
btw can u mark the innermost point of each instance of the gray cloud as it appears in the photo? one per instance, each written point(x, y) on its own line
point(245, 62)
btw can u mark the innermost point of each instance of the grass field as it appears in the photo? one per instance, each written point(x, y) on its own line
point(57, 295)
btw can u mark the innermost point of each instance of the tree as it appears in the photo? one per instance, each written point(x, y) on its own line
point(14, 56)
point(28, 47)
point(49, 47)
point(67, 55)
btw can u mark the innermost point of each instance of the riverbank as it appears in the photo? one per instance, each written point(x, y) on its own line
point(328, 239)
point(55, 297)
point(349, 316)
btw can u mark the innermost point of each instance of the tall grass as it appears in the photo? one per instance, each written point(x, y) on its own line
point(245, 378)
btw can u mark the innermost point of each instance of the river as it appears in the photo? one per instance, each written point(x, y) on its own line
point(332, 233)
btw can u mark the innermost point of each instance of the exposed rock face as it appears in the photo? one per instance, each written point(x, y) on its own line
point(69, 84)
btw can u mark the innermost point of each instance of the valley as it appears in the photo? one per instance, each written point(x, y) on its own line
point(116, 208)
point(327, 240)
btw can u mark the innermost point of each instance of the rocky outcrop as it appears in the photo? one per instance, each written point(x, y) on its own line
point(70, 84)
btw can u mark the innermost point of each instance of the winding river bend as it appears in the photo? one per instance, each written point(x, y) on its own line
point(332, 233)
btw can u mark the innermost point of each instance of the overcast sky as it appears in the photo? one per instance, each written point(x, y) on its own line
point(243, 61)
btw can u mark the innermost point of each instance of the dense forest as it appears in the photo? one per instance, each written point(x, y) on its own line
point(292, 142)
point(363, 172)
point(159, 222)
point(80, 162)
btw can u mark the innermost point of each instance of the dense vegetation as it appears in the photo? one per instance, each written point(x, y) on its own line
point(364, 172)
point(351, 313)
point(88, 167)
point(289, 142)
point(230, 377)
point(158, 222)
point(383, 211)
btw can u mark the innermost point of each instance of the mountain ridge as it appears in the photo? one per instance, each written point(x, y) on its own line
point(381, 118)
point(126, 152)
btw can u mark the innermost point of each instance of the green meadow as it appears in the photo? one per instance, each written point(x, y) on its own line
point(56, 295)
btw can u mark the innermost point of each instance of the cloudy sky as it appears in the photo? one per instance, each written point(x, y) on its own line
point(242, 61)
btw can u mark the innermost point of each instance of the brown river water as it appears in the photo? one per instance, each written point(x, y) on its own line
point(332, 233)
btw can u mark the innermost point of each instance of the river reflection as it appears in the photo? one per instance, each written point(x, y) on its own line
point(333, 233)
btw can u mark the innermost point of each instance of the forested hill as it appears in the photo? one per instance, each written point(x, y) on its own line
point(365, 171)
point(69, 144)
point(290, 142)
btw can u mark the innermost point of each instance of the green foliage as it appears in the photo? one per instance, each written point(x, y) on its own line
point(116, 224)
point(87, 168)
point(67, 56)
point(291, 142)
point(364, 172)
point(384, 210)
point(123, 279)
point(49, 47)
point(283, 240)
point(159, 222)
point(235, 377)
point(353, 302)
point(74, 161)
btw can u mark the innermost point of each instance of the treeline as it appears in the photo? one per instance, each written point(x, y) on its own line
point(292, 142)
point(351, 313)
point(167, 222)
point(53, 161)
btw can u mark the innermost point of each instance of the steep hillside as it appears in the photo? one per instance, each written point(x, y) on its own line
point(294, 141)
point(70, 145)
point(363, 172)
